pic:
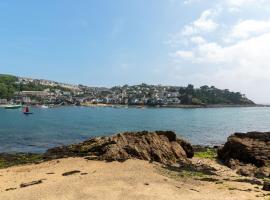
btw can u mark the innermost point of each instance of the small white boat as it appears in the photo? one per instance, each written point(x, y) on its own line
point(44, 106)
point(12, 106)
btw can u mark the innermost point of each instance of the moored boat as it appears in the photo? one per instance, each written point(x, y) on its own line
point(12, 106)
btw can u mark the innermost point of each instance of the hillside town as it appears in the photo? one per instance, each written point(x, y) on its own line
point(44, 92)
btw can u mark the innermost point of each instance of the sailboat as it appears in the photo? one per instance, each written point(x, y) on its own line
point(26, 111)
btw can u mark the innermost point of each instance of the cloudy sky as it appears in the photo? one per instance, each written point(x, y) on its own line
point(225, 43)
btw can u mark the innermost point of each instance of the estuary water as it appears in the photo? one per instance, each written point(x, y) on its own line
point(48, 128)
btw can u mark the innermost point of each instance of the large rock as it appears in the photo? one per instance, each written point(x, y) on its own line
point(160, 146)
point(266, 185)
point(248, 153)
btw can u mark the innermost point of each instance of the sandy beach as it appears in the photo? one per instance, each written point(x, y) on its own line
point(133, 179)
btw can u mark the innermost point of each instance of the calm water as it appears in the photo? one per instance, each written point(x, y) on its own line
point(53, 127)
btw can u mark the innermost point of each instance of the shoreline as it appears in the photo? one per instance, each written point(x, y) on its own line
point(157, 106)
point(11, 159)
point(177, 106)
point(118, 167)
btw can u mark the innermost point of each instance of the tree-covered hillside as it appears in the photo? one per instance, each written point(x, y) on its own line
point(8, 85)
point(211, 95)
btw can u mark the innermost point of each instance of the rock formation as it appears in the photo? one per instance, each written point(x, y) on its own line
point(266, 186)
point(249, 153)
point(159, 146)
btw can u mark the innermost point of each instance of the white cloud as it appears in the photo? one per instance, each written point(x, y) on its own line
point(240, 3)
point(183, 54)
point(234, 5)
point(247, 28)
point(209, 52)
point(187, 1)
point(198, 40)
point(224, 53)
point(189, 30)
point(240, 66)
point(254, 51)
point(205, 23)
point(190, 1)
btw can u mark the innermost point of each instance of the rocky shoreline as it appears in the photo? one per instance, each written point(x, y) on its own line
point(247, 154)
point(160, 146)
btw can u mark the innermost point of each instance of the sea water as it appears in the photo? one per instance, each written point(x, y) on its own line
point(48, 128)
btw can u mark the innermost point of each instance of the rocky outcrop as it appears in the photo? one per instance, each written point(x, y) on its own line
point(266, 185)
point(248, 153)
point(159, 146)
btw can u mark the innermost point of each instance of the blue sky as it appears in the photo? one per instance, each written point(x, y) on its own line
point(174, 42)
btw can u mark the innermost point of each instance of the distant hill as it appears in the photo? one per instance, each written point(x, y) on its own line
point(137, 94)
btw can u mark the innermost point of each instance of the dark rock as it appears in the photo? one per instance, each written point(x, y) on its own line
point(266, 185)
point(245, 171)
point(71, 173)
point(248, 153)
point(194, 190)
point(91, 158)
point(208, 179)
point(251, 181)
point(187, 147)
point(30, 183)
point(8, 189)
point(159, 146)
